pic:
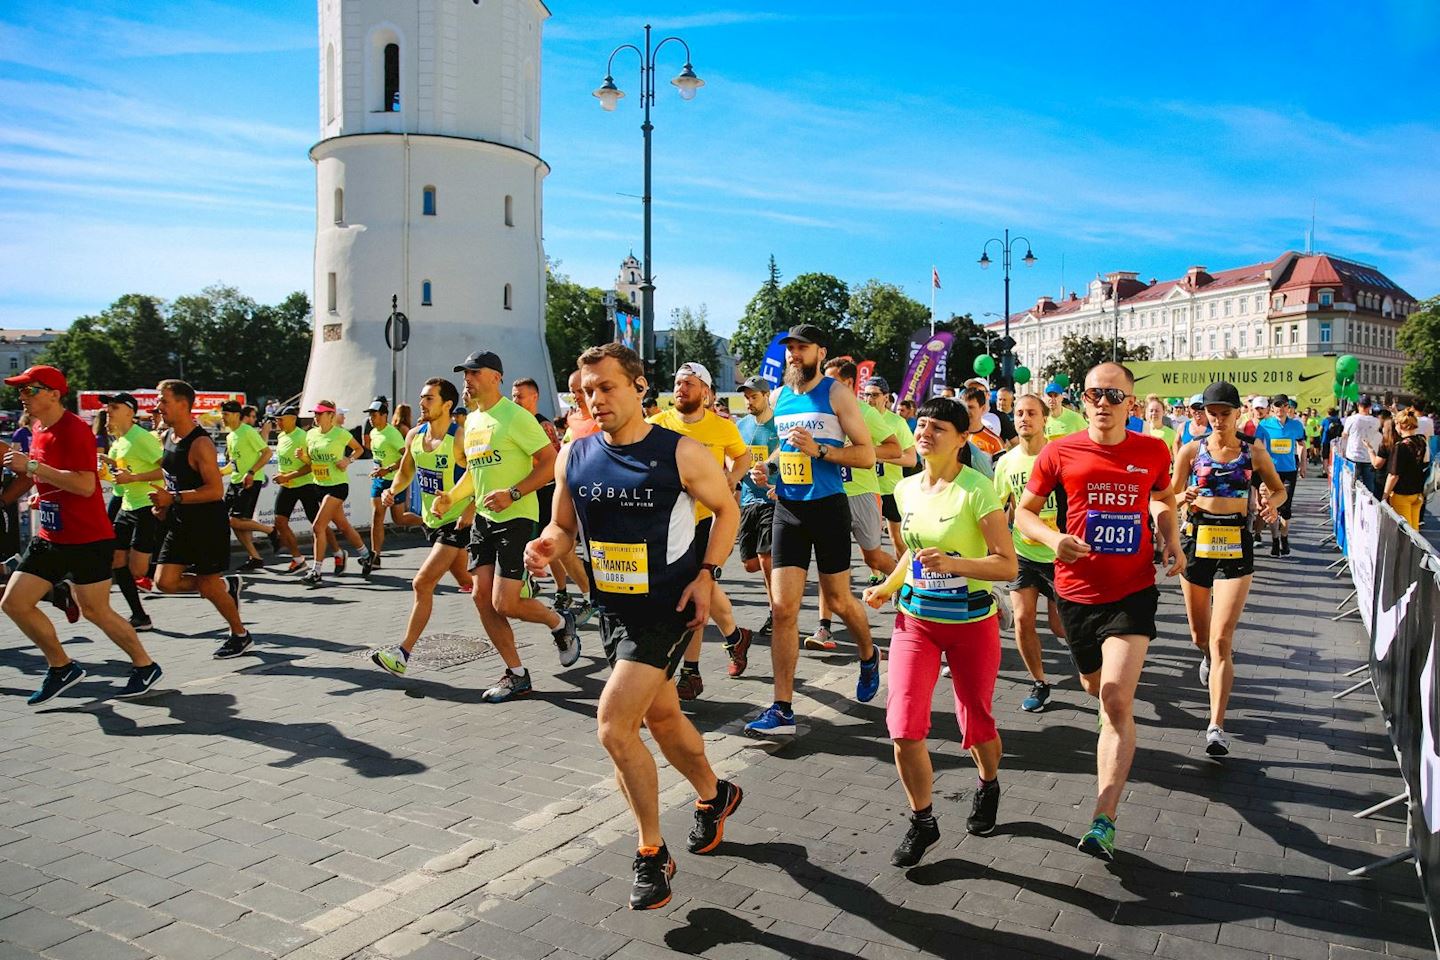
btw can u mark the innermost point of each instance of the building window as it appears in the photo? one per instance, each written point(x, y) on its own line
point(331, 291)
point(1197, 343)
point(427, 202)
point(1229, 307)
point(1227, 340)
point(509, 211)
point(1212, 343)
point(1259, 301)
point(1279, 335)
point(14, 363)
point(1243, 338)
point(1324, 331)
point(425, 291)
point(1294, 333)
point(330, 83)
point(1242, 305)
point(391, 103)
point(339, 205)
point(1279, 302)
point(509, 302)
point(1210, 311)
point(1327, 298)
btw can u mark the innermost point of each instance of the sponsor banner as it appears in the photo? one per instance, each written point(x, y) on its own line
point(864, 370)
point(1362, 533)
point(772, 367)
point(927, 365)
point(1308, 381)
point(627, 329)
point(357, 505)
point(207, 402)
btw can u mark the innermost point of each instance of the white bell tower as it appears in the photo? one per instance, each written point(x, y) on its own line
point(428, 188)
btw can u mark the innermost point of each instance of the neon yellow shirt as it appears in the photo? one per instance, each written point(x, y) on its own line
point(387, 445)
point(859, 481)
point(499, 445)
point(1012, 472)
point(326, 450)
point(287, 457)
point(890, 473)
point(949, 520)
point(1064, 423)
point(1164, 433)
point(243, 447)
point(718, 435)
point(139, 452)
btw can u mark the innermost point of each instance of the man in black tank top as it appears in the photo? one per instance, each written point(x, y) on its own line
point(195, 552)
point(636, 485)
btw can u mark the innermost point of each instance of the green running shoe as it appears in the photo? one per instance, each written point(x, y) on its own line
point(390, 660)
point(1099, 840)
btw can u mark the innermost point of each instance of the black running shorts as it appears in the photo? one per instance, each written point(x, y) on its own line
point(889, 509)
point(1288, 477)
point(821, 526)
point(756, 529)
point(1087, 625)
point(501, 545)
point(1036, 575)
point(340, 491)
point(659, 641)
point(1217, 547)
point(308, 497)
point(449, 535)
point(80, 563)
point(197, 538)
point(137, 530)
point(241, 500)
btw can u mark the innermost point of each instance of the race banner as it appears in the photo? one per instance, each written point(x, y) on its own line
point(88, 403)
point(1362, 535)
point(864, 370)
point(772, 366)
point(927, 364)
point(1307, 381)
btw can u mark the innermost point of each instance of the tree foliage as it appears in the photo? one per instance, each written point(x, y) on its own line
point(1420, 340)
point(575, 319)
point(1078, 354)
point(764, 317)
point(217, 339)
point(882, 318)
point(691, 341)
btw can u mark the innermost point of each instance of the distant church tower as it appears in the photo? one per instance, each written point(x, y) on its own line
point(627, 284)
point(428, 187)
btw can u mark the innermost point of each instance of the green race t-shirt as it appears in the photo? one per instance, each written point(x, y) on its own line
point(1012, 472)
point(859, 481)
point(326, 450)
point(139, 452)
point(1164, 433)
point(1064, 423)
point(243, 447)
point(890, 473)
point(1312, 427)
point(287, 457)
point(499, 443)
point(947, 519)
point(436, 471)
point(387, 445)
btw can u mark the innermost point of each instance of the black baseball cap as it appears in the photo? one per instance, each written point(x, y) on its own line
point(1279, 400)
point(231, 406)
point(289, 411)
point(880, 382)
point(1221, 393)
point(756, 385)
point(482, 360)
point(121, 397)
point(806, 333)
point(378, 405)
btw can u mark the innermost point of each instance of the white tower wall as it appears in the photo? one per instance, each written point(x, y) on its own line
point(467, 74)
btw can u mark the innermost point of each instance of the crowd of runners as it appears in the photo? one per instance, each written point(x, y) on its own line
point(966, 514)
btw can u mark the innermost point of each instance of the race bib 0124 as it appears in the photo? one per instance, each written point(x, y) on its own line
point(1213, 542)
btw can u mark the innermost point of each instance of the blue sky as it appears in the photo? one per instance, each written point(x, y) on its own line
point(161, 146)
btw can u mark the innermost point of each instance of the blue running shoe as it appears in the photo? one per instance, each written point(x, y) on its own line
point(772, 723)
point(59, 679)
point(1099, 840)
point(869, 682)
point(1039, 696)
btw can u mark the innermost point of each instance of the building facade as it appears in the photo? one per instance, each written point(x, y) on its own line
point(20, 349)
point(428, 189)
point(1296, 305)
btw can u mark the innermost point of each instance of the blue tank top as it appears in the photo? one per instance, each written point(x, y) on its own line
point(1217, 478)
point(636, 521)
point(802, 477)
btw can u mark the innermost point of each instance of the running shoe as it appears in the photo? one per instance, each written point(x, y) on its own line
point(923, 833)
point(709, 828)
point(273, 538)
point(312, 579)
point(141, 623)
point(140, 682)
point(63, 599)
point(1039, 696)
point(393, 661)
point(145, 583)
point(57, 681)
point(821, 639)
point(1216, 743)
point(528, 589)
point(945, 671)
point(340, 562)
point(1284, 546)
point(1099, 840)
point(653, 869)
point(367, 564)
point(984, 807)
point(583, 610)
point(1275, 547)
point(562, 601)
point(875, 580)
point(1205, 669)
point(296, 564)
point(233, 646)
point(739, 653)
point(252, 564)
point(1006, 615)
point(768, 627)
point(510, 686)
point(869, 683)
point(374, 561)
point(567, 640)
point(233, 586)
point(773, 722)
point(689, 685)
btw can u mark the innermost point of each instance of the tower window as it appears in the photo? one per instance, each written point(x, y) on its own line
point(339, 205)
point(1326, 298)
point(427, 202)
point(391, 103)
point(509, 301)
point(509, 211)
point(331, 292)
point(330, 83)
point(425, 294)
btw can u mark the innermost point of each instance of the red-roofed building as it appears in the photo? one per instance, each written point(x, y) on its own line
point(1296, 305)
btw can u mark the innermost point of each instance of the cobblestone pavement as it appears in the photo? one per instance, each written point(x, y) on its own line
point(300, 802)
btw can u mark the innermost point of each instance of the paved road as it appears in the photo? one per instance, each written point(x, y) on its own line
point(301, 803)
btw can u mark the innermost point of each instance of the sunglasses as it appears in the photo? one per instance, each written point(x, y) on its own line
point(873, 393)
point(32, 389)
point(1115, 395)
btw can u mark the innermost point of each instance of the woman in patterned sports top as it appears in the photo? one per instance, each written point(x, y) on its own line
point(1219, 552)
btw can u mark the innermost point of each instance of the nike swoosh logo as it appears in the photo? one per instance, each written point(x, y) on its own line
point(949, 518)
point(1312, 376)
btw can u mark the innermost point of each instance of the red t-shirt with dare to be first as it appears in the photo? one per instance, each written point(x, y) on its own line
point(1107, 493)
point(68, 444)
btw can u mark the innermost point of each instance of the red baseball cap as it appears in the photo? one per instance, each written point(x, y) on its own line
point(323, 408)
point(44, 375)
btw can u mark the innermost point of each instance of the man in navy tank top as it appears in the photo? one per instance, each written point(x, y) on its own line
point(822, 430)
point(631, 491)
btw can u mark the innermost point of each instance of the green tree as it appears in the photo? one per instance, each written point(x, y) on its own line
point(88, 354)
point(1078, 354)
point(691, 341)
point(575, 319)
point(882, 318)
point(764, 317)
point(823, 300)
point(1420, 340)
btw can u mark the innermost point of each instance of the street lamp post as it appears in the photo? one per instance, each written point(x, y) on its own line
point(609, 95)
point(1007, 360)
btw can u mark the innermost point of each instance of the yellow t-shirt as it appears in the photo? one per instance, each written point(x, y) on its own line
point(720, 436)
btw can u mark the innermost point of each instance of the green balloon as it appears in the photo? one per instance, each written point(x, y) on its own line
point(1022, 374)
point(1352, 392)
point(1346, 366)
point(984, 365)
point(1338, 389)
point(1063, 380)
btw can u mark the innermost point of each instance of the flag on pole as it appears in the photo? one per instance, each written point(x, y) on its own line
point(935, 278)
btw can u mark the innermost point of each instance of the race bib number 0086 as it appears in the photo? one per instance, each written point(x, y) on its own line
point(620, 567)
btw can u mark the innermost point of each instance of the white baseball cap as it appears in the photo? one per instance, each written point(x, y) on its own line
point(1260, 403)
point(698, 371)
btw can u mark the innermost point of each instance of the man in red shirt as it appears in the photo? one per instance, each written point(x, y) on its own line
point(75, 540)
point(1104, 575)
